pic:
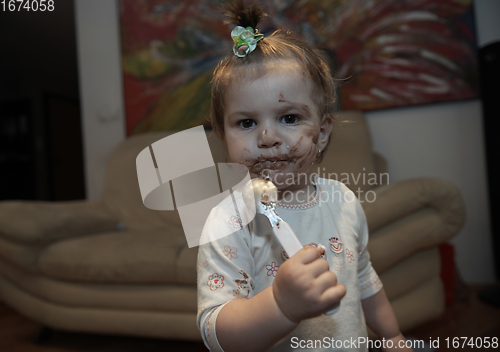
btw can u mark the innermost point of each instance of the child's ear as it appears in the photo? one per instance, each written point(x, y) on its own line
point(324, 132)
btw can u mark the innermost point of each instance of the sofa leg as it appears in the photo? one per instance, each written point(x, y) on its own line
point(44, 334)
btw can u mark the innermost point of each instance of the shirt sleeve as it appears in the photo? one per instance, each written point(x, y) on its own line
point(225, 271)
point(369, 282)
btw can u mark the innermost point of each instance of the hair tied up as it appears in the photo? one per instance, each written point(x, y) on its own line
point(236, 12)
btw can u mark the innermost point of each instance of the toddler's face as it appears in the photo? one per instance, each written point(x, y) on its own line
point(272, 126)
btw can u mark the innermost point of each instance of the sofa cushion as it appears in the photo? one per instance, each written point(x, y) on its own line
point(39, 222)
point(117, 257)
point(111, 321)
point(152, 297)
point(411, 272)
point(20, 255)
point(186, 266)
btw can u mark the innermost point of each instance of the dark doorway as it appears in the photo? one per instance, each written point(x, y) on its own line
point(40, 125)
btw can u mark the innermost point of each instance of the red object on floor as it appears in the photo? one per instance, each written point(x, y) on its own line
point(447, 254)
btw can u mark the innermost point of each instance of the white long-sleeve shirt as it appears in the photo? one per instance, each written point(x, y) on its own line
point(244, 263)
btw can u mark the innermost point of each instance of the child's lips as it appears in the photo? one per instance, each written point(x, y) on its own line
point(270, 163)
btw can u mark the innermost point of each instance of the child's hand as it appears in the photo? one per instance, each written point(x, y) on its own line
point(305, 287)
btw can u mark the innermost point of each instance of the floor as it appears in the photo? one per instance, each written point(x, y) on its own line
point(468, 317)
point(20, 334)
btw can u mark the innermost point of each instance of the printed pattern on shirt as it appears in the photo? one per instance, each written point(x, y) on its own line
point(202, 265)
point(335, 245)
point(207, 331)
point(272, 269)
point(215, 281)
point(285, 255)
point(230, 252)
point(236, 222)
point(374, 282)
point(349, 255)
point(244, 286)
point(305, 205)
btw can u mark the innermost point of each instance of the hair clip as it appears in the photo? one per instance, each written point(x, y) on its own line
point(245, 40)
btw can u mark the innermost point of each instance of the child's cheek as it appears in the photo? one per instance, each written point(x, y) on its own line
point(313, 133)
point(306, 150)
point(305, 161)
point(240, 156)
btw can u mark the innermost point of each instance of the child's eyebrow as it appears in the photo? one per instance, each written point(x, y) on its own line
point(303, 108)
point(238, 114)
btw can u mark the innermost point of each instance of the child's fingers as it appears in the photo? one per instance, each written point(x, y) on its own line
point(318, 267)
point(326, 280)
point(332, 296)
point(308, 254)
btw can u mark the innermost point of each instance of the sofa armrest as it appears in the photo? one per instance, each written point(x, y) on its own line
point(39, 222)
point(411, 215)
point(402, 198)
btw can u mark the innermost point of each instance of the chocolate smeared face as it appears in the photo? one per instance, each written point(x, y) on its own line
point(272, 125)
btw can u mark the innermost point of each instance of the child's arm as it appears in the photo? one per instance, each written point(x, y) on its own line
point(378, 312)
point(304, 287)
point(381, 319)
point(253, 324)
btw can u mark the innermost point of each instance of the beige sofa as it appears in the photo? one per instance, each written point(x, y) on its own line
point(116, 267)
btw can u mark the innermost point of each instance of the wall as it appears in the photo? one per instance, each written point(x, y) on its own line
point(101, 94)
point(446, 140)
point(442, 140)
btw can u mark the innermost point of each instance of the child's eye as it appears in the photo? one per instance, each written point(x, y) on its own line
point(247, 123)
point(290, 119)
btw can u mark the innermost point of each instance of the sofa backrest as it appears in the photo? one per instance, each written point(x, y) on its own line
point(349, 157)
point(121, 193)
point(349, 154)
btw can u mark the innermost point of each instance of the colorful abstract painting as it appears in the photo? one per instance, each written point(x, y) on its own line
point(387, 53)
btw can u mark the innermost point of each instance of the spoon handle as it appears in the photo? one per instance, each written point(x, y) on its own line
point(287, 238)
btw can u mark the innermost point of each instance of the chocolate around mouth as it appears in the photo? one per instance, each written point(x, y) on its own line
point(266, 164)
point(272, 161)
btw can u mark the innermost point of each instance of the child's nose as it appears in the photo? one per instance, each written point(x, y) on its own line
point(268, 138)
